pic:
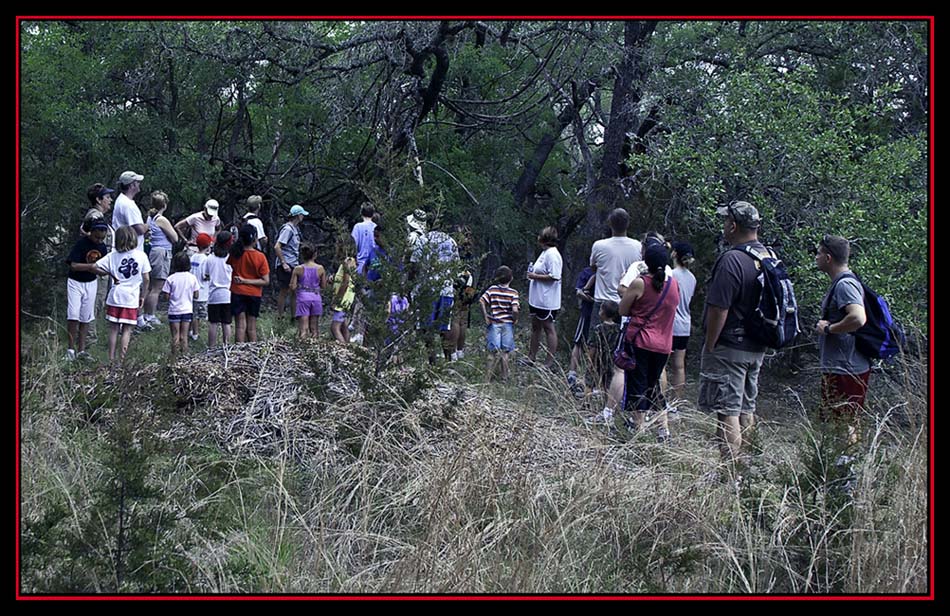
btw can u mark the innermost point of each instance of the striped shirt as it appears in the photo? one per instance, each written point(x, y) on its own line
point(500, 303)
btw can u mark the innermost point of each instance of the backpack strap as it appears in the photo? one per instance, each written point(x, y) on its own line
point(848, 274)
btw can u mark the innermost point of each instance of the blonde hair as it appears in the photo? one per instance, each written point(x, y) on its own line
point(159, 203)
point(126, 239)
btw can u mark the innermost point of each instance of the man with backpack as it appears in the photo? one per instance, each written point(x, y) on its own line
point(731, 358)
point(844, 367)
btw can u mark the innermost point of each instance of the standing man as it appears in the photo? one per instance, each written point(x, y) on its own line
point(100, 200)
point(127, 213)
point(610, 258)
point(205, 221)
point(844, 369)
point(287, 248)
point(434, 264)
point(730, 364)
point(363, 236)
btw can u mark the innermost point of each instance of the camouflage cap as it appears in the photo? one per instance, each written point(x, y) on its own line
point(743, 212)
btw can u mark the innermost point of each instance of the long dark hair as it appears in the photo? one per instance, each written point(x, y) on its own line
point(657, 260)
point(246, 238)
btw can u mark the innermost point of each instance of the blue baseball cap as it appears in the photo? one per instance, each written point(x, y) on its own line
point(298, 210)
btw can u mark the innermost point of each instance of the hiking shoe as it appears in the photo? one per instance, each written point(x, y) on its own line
point(193, 336)
point(84, 356)
point(154, 320)
point(70, 355)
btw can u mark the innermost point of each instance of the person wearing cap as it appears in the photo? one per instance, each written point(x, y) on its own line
point(730, 362)
point(415, 227)
point(204, 242)
point(682, 324)
point(82, 287)
point(205, 221)
point(253, 217)
point(287, 248)
point(100, 200)
point(163, 237)
point(127, 213)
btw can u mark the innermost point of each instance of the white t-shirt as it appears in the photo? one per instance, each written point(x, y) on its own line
point(218, 273)
point(687, 284)
point(125, 214)
point(181, 287)
point(612, 256)
point(127, 268)
point(636, 269)
point(199, 225)
point(197, 260)
point(257, 223)
point(545, 294)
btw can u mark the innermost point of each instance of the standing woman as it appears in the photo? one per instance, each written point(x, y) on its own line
point(650, 301)
point(251, 275)
point(682, 324)
point(163, 237)
point(544, 295)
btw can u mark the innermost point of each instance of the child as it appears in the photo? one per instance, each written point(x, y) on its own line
point(500, 307)
point(216, 272)
point(82, 287)
point(251, 275)
point(182, 288)
point(204, 242)
point(129, 268)
point(307, 279)
point(343, 289)
point(603, 343)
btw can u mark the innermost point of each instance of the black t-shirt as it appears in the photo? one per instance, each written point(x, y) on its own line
point(734, 285)
point(85, 251)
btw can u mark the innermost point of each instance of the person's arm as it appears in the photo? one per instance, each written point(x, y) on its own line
point(482, 303)
point(854, 319)
point(632, 294)
point(541, 277)
point(144, 290)
point(515, 309)
point(167, 229)
point(294, 277)
point(253, 282)
point(280, 256)
point(84, 267)
point(322, 274)
point(182, 228)
point(715, 321)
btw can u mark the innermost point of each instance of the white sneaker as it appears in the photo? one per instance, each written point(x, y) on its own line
point(70, 355)
point(142, 324)
point(357, 339)
point(461, 354)
point(454, 356)
point(154, 320)
point(193, 335)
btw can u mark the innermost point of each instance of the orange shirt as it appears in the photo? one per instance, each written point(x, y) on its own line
point(251, 265)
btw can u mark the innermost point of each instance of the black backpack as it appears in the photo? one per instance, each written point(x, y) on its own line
point(774, 323)
point(881, 336)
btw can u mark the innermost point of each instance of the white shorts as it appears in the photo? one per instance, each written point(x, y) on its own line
point(81, 300)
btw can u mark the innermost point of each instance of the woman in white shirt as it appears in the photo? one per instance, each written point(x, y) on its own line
point(544, 295)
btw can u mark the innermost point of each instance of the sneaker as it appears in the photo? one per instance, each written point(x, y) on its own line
point(84, 356)
point(461, 354)
point(154, 320)
point(577, 390)
point(673, 413)
point(70, 355)
point(193, 335)
point(357, 339)
point(144, 324)
point(663, 436)
point(571, 379)
point(454, 356)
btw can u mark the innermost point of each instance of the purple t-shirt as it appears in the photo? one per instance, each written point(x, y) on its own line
point(363, 236)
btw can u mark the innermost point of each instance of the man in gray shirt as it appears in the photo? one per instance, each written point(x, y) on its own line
point(844, 370)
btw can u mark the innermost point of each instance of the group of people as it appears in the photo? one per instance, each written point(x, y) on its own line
point(634, 300)
point(635, 323)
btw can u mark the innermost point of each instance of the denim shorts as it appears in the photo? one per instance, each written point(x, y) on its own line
point(500, 336)
point(181, 318)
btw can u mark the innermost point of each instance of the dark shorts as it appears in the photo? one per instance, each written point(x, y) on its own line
point(543, 315)
point(251, 304)
point(283, 278)
point(843, 395)
point(680, 343)
point(442, 313)
point(219, 313)
point(582, 332)
point(181, 318)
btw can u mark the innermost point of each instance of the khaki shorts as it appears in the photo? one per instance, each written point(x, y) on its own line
point(729, 381)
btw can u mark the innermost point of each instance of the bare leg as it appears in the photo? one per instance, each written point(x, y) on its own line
point(303, 327)
point(315, 327)
point(281, 301)
point(678, 375)
point(536, 327)
point(72, 327)
point(551, 342)
point(240, 326)
point(492, 361)
point(151, 300)
point(213, 335)
point(251, 328)
point(126, 336)
point(113, 335)
point(83, 331)
point(615, 391)
point(173, 328)
point(504, 366)
point(732, 437)
point(183, 336)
